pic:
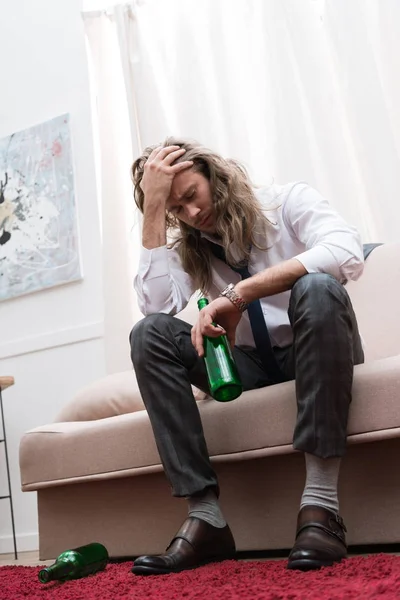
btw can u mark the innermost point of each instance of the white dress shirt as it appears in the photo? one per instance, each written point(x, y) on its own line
point(303, 225)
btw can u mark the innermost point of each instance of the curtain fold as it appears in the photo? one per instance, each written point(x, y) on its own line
point(296, 90)
point(117, 145)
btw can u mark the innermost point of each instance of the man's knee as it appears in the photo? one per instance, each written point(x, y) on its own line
point(316, 296)
point(143, 332)
point(316, 283)
point(318, 289)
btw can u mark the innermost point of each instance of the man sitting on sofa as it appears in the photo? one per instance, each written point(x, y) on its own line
point(273, 262)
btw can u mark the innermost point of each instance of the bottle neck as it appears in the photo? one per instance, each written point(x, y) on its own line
point(56, 571)
point(201, 303)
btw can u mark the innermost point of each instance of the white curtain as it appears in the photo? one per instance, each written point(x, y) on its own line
point(116, 142)
point(297, 90)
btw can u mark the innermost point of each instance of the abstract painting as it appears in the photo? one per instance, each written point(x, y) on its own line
point(38, 225)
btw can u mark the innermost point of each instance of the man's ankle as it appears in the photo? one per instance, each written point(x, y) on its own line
point(321, 483)
point(207, 508)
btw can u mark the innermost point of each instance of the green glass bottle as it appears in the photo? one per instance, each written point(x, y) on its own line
point(223, 376)
point(73, 564)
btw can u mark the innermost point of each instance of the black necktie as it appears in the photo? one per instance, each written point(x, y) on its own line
point(257, 322)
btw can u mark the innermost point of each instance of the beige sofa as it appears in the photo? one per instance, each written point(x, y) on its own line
point(98, 475)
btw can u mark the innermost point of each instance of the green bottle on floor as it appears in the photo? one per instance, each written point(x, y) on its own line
point(222, 373)
point(73, 564)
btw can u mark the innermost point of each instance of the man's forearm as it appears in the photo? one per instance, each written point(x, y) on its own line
point(154, 227)
point(269, 282)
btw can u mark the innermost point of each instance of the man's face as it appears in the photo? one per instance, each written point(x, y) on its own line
point(190, 200)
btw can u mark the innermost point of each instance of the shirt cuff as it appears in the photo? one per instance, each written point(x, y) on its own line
point(319, 260)
point(153, 263)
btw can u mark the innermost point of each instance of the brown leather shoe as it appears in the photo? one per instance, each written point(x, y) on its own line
point(195, 544)
point(320, 539)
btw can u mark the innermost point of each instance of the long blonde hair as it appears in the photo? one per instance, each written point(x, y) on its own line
point(237, 210)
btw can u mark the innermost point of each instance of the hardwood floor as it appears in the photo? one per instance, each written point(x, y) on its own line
point(26, 559)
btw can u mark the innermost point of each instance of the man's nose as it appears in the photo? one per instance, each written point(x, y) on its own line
point(192, 211)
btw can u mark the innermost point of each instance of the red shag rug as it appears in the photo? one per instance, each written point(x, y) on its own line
point(375, 577)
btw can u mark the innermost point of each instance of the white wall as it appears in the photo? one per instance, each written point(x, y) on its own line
point(51, 341)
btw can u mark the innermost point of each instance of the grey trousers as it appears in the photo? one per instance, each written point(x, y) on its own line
point(326, 346)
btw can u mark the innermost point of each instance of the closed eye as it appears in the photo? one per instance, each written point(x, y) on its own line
point(176, 210)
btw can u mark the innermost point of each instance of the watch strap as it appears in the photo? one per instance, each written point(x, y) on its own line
point(229, 292)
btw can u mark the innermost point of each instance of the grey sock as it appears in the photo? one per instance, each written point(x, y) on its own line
point(321, 482)
point(207, 508)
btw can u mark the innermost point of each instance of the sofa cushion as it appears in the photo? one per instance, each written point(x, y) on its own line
point(110, 396)
point(375, 299)
point(114, 395)
point(259, 423)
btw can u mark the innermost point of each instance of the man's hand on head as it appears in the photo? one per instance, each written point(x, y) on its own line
point(159, 172)
point(217, 318)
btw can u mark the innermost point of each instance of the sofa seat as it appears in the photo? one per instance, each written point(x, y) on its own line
point(123, 445)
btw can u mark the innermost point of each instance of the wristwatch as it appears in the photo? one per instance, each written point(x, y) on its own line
point(230, 293)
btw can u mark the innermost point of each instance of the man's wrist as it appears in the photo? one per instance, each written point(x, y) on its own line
point(242, 289)
point(232, 295)
point(154, 202)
